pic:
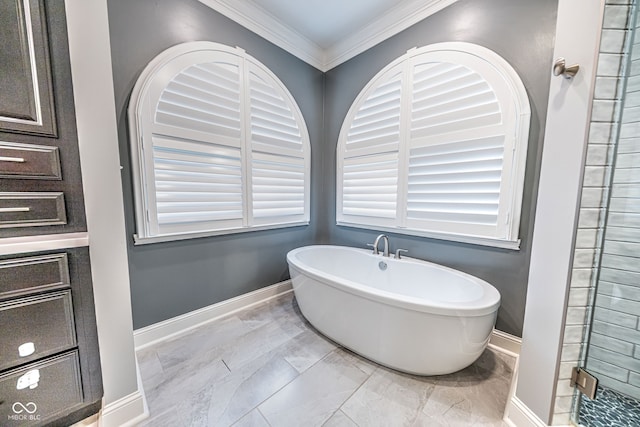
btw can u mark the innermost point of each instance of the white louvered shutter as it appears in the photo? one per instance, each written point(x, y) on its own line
point(278, 150)
point(461, 119)
point(195, 135)
point(464, 118)
point(368, 165)
point(220, 145)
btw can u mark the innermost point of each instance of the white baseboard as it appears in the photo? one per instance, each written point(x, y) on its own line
point(161, 331)
point(125, 412)
point(519, 415)
point(506, 343)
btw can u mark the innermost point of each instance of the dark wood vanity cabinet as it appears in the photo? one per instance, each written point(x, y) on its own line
point(40, 175)
point(49, 361)
point(49, 357)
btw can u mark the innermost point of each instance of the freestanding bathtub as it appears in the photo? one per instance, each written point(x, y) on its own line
point(410, 315)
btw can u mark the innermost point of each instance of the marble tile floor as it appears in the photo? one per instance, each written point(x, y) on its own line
point(267, 366)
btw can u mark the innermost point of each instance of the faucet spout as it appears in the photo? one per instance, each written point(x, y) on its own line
point(385, 239)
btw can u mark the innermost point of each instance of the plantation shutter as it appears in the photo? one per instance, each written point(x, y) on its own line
point(368, 185)
point(457, 147)
point(459, 150)
point(196, 143)
point(221, 145)
point(278, 152)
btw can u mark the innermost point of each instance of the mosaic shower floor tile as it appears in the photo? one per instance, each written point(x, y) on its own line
point(609, 409)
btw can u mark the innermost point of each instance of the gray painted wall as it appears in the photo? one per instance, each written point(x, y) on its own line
point(169, 279)
point(522, 32)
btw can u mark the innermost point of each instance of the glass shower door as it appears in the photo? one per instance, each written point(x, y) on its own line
point(613, 351)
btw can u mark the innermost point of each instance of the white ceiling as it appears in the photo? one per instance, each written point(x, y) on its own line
point(326, 22)
point(325, 33)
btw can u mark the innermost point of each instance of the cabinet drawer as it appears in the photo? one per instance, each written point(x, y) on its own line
point(31, 209)
point(27, 161)
point(21, 275)
point(36, 327)
point(36, 394)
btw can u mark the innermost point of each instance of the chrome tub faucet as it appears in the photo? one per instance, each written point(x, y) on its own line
point(385, 239)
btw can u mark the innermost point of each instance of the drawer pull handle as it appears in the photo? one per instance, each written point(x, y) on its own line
point(12, 159)
point(26, 349)
point(30, 380)
point(11, 210)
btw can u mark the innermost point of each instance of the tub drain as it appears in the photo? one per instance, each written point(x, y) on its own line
point(382, 265)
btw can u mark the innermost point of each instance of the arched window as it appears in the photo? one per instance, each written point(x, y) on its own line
point(218, 146)
point(435, 145)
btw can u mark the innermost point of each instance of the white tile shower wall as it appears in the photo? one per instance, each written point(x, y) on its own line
point(607, 95)
point(612, 352)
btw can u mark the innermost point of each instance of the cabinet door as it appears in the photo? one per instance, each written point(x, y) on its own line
point(26, 101)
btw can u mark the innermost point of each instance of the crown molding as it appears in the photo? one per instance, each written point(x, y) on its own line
point(391, 23)
point(261, 22)
point(269, 27)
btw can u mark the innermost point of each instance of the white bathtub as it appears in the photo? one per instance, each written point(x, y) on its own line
point(413, 316)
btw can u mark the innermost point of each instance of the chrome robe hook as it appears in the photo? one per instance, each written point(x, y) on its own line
point(560, 68)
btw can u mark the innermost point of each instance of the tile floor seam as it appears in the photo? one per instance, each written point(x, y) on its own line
point(332, 415)
point(257, 406)
point(274, 350)
point(339, 409)
point(262, 415)
point(352, 394)
point(347, 415)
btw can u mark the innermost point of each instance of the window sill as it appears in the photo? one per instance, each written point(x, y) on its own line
point(475, 240)
point(140, 240)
